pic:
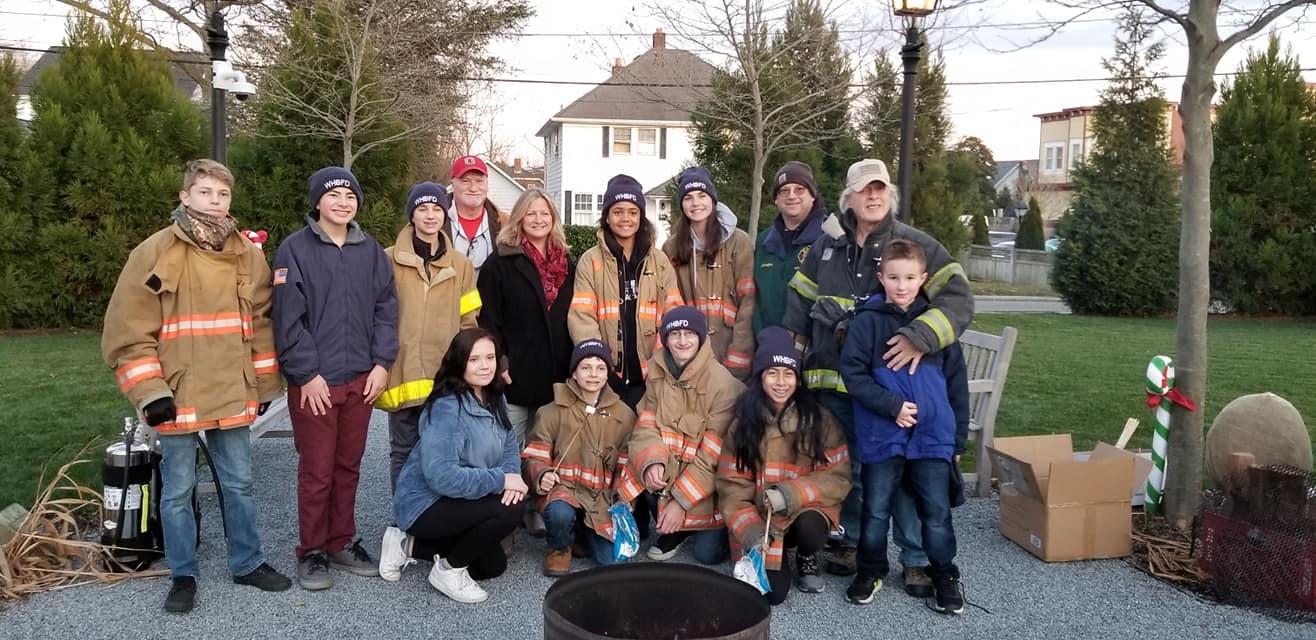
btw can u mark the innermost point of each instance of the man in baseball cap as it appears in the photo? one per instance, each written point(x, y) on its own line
point(473, 220)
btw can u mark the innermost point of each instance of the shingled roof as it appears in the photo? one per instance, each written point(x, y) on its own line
point(183, 82)
point(661, 84)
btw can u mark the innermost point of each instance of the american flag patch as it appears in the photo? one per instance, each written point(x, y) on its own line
point(280, 276)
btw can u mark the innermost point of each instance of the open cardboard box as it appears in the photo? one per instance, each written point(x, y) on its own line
point(1142, 466)
point(1063, 509)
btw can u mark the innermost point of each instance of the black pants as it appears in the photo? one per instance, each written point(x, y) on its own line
point(467, 533)
point(807, 535)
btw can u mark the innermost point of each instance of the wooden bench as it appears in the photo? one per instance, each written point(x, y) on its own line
point(988, 359)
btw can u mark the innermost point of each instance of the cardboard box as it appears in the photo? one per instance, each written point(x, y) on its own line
point(1060, 509)
point(1142, 466)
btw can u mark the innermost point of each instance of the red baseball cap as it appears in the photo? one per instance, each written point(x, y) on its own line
point(466, 164)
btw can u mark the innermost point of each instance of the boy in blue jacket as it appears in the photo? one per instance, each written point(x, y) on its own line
point(336, 333)
point(910, 427)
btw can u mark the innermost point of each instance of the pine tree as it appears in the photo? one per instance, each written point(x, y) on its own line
point(980, 235)
point(1119, 256)
point(1031, 234)
point(109, 139)
point(1264, 188)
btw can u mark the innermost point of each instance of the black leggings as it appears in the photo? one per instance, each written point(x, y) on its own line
point(807, 535)
point(467, 533)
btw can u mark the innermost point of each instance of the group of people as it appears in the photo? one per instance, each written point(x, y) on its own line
point(794, 394)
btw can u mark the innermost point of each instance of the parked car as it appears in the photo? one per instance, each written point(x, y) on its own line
point(1002, 243)
point(1052, 244)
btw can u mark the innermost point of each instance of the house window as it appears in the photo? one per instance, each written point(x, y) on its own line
point(600, 207)
point(1053, 157)
point(621, 141)
point(555, 145)
point(647, 144)
point(1075, 152)
point(584, 203)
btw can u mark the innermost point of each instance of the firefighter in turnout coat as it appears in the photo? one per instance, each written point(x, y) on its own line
point(784, 469)
point(576, 452)
point(678, 438)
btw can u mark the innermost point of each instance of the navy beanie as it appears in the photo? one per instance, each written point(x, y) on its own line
point(591, 348)
point(684, 317)
point(427, 192)
point(776, 349)
point(695, 179)
point(623, 188)
point(328, 179)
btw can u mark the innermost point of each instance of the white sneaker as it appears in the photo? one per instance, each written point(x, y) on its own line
point(456, 583)
point(393, 556)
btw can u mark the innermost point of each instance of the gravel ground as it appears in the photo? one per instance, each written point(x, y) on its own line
point(1026, 597)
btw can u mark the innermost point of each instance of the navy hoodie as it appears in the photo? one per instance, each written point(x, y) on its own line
point(939, 387)
point(335, 308)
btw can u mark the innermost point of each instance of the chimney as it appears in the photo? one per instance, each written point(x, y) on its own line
point(516, 165)
point(659, 39)
point(618, 65)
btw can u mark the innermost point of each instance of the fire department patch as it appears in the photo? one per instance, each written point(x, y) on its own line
point(804, 251)
point(280, 276)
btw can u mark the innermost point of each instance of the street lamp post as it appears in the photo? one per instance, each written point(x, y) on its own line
point(912, 11)
point(217, 43)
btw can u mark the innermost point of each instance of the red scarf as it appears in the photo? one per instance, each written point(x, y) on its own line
point(552, 268)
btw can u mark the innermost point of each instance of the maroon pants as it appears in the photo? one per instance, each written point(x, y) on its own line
point(329, 449)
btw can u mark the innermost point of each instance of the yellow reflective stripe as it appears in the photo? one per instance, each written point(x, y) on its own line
point(939, 279)
point(404, 393)
point(469, 302)
point(146, 505)
point(846, 303)
point(806, 287)
point(825, 379)
point(940, 325)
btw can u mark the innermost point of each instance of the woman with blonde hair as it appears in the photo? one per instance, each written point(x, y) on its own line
point(526, 290)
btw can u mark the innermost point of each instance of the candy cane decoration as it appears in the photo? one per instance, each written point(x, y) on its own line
point(1160, 395)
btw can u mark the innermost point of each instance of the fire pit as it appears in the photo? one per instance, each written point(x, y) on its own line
point(650, 601)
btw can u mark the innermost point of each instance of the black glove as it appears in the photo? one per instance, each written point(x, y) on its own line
point(264, 406)
point(160, 411)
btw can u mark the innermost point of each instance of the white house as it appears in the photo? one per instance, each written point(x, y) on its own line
point(503, 189)
point(637, 122)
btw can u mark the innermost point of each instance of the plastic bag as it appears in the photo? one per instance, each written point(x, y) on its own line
point(750, 570)
point(625, 535)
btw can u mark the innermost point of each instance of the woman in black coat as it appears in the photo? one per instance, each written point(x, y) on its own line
point(526, 289)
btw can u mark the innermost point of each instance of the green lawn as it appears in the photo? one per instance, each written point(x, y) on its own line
point(57, 396)
point(1070, 374)
point(1085, 375)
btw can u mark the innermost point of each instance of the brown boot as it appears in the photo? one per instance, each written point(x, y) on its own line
point(557, 562)
point(842, 562)
point(917, 582)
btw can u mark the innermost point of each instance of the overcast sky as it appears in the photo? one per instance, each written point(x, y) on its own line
point(977, 42)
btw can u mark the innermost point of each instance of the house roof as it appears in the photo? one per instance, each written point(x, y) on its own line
point(661, 190)
point(671, 82)
point(183, 82)
point(520, 172)
point(1003, 170)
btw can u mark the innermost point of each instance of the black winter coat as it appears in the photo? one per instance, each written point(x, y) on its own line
point(535, 339)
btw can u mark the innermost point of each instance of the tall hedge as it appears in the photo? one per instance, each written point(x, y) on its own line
point(1031, 234)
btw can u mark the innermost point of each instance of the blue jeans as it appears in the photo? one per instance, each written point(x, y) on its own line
point(907, 527)
point(929, 480)
point(230, 450)
point(710, 546)
point(564, 524)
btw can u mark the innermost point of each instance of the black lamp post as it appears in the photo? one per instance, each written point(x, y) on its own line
point(912, 11)
point(217, 43)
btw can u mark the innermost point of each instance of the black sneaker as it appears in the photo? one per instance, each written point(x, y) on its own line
point(949, 597)
point(182, 595)
point(666, 546)
point(863, 589)
point(265, 578)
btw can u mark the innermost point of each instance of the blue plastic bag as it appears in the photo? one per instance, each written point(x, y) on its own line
point(625, 534)
point(750, 570)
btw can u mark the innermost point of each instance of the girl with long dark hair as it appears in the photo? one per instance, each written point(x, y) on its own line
point(785, 461)
point(460, 492)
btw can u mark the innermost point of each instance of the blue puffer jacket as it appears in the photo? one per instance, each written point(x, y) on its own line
point(463, 453)
point(939, 387)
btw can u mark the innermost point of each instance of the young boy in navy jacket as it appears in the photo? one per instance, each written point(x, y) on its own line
point(336, 333)
point(910, 427)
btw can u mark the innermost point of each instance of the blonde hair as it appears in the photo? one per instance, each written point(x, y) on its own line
point(198, 169)
point(510, 234)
